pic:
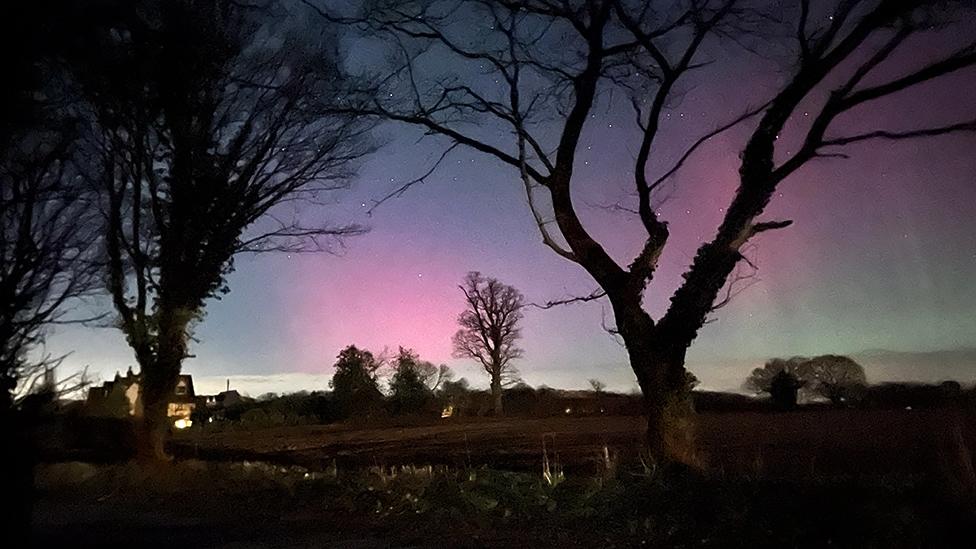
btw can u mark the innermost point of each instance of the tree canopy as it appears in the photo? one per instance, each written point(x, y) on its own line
point(829, 376)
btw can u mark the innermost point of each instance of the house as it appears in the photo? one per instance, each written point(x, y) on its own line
point(122, 397)
point(215, 406)
point(223, 399)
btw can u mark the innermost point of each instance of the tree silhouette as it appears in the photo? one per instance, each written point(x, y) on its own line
point(783, 389)
point(537, 70)
point(409, 393)
point(489, 330)
point(830, 376)
point(433, 376)
point(834, 376)
point(46, 240)
point(761, 379)
point(597, 386)
point(210, 117)
point(354, 386)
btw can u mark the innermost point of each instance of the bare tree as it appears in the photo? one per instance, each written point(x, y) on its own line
point(835, 376)
point(45, 242)
point(210, 118)
point(44, 238)
point(432, 375)
point(489, 331)
point(45, 245)
point(597, 386)
point(536, 71)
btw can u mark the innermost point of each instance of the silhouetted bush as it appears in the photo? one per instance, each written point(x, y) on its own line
point(714, 401)
point(79, 436)
point(459, 398)
point(523, 400)
point(917, 395)
point(271, 410)
point(520, 400)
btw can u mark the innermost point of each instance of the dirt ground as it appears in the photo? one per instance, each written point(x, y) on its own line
point(805, 442)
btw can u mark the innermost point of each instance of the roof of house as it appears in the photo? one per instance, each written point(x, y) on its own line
point(130, 378)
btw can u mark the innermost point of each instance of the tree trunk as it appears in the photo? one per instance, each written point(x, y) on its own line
point(17, 475)
point(496, 395)
point(659, 366)
point(153, 427)
point(159, 380)
point(671, 426)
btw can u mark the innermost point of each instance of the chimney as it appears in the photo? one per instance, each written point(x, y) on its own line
point(228, 384)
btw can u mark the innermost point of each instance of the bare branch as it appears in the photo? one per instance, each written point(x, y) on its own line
point(592, 296)
point(415, 181)
point(961, 127)
point(702, 140)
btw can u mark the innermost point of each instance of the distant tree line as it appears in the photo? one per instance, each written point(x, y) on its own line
point(414, 387)
point(833, 377)
point(840, 381)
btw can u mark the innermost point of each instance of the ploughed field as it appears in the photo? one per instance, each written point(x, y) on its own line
point(800, 443)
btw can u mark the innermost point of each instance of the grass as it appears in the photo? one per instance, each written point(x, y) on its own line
point(838, 478)
point(431, 506)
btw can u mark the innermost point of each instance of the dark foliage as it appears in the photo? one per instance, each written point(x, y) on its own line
point(355, 391)
point(409, 394)
point(783, 389)
point(457, 398)
point(916, 395)
point(300, 408)
point(478, 507)
point(839, 379)
point(715, 401)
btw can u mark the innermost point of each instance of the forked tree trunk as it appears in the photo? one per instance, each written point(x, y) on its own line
point(661, 375)
point(496, 395)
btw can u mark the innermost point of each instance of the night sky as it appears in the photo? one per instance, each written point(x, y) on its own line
point(881, 255)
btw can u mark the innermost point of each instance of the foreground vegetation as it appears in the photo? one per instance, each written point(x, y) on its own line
point(813, 477)
point(196, 503)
